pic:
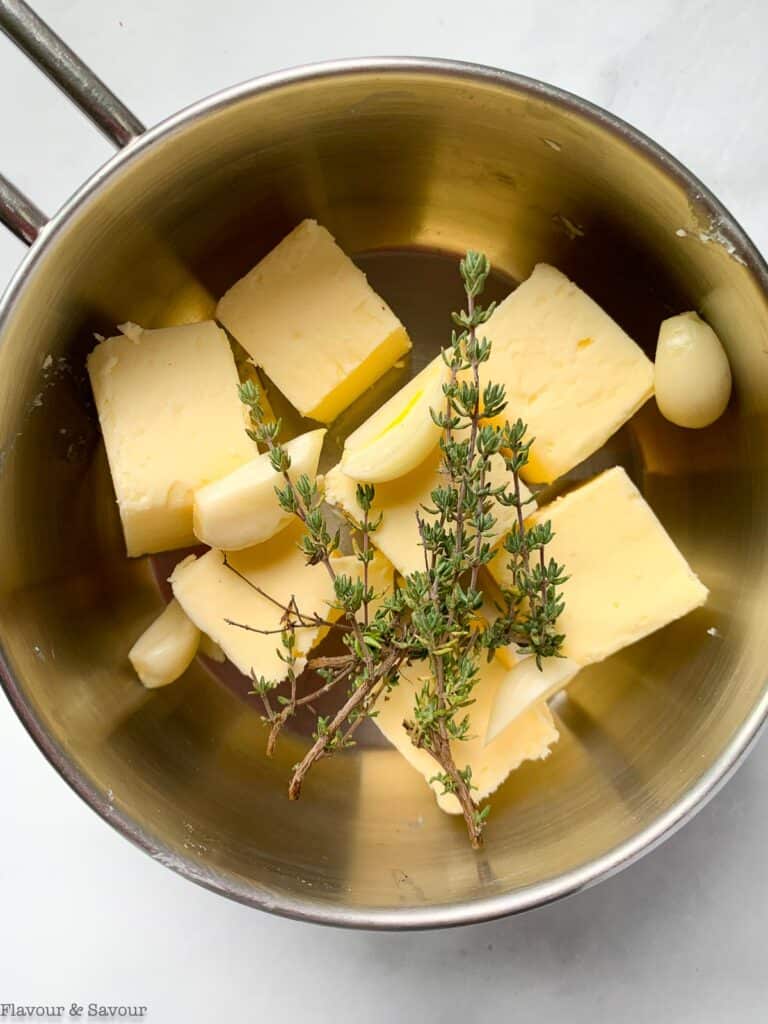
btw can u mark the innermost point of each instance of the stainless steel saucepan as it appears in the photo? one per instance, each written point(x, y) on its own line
point(403, 160)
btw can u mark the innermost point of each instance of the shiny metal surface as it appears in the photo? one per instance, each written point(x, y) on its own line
point(19, 214)
point(391, 155)
point(52, 55)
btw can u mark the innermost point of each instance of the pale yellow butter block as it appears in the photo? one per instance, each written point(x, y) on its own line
point(570, 372)
point(309, 318)
point(166, 648)
point(529, 738)
point(172, 421)
point(210, 593)
point(211, 649)
point(626, 576)
point(399, 500)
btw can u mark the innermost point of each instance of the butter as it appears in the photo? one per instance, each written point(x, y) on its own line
point(211, 650)
point(399, 500)
point(309, 318)
point(626, 577)
point(172, 421)
point(210, 593)
point(166, 649)
point(241, 509)
point(570, 372)
point(529, 738)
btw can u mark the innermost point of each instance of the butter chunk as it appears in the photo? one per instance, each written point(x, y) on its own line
point(165, 650)
point(310, 319)
point(210, 593)
point(528, 738)
point(400, 499)
point(210, 649)
point(172, 422)
point(626, 577)
point(570, 371)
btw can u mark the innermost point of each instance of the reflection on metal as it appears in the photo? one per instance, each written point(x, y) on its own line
point(19, 214)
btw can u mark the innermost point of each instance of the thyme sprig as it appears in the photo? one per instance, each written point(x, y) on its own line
point(367, 674)
point(433, 616)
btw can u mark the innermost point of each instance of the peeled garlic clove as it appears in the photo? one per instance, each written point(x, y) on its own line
point(241, 509)
point(400, 435)
point(166, 648)
point(693, 376)
point(527, 684)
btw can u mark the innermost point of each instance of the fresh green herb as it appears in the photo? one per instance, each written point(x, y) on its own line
point(434, 615)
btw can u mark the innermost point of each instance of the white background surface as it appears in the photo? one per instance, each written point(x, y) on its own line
point(679, 937)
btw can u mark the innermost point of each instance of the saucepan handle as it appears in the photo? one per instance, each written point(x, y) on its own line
point(52, 55)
